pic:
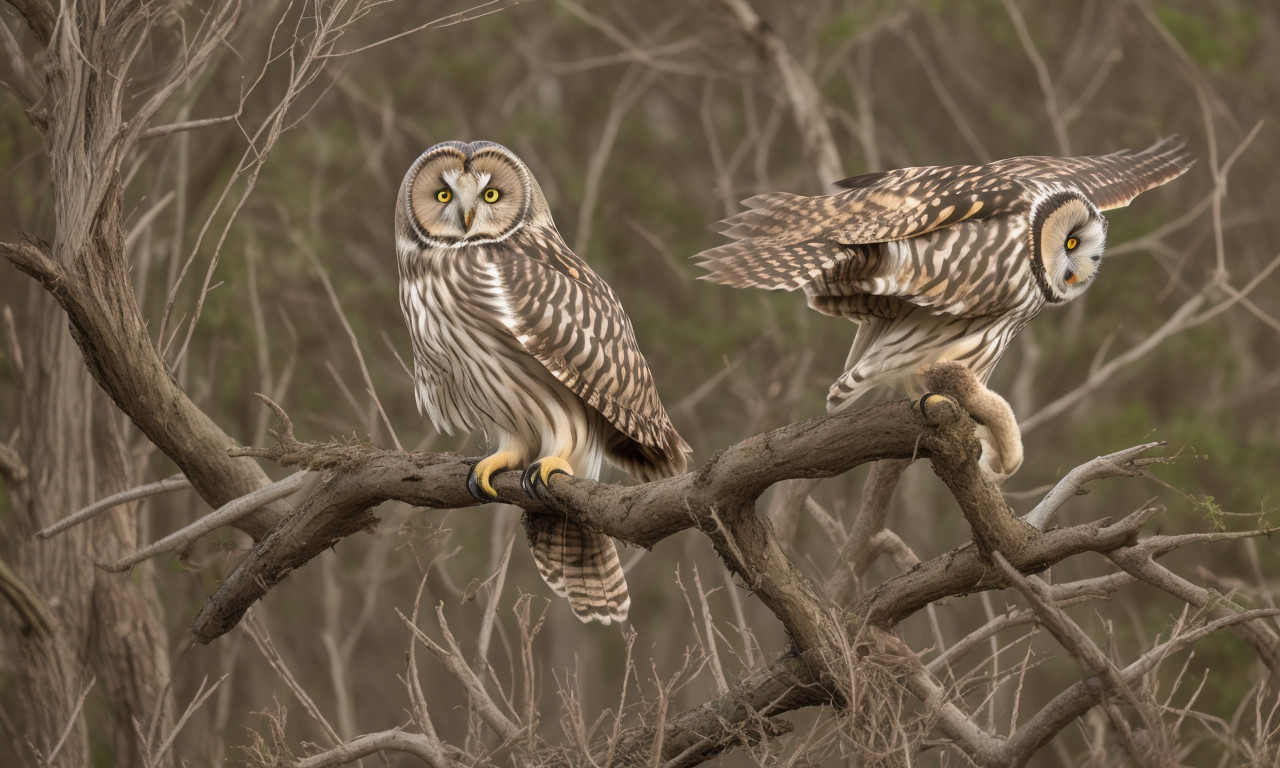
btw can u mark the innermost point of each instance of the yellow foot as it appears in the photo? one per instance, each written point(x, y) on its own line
point(478, 482)
point(536, 478)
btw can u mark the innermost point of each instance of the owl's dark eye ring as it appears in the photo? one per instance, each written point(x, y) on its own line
point(1072, 243)
point(491, 195)
point(444, 195)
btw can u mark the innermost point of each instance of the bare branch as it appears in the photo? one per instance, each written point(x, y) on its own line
point(1126, 463)
point(167, 485)
point(1074, 701)
point(394, 740)
point(72, 721)
point(1138, 562)
point(1047, 89)
point(201, 696)
point(11, 338)
point(803, 97)
point(31, 610)
point(860, 551)
point(181, 540)
point(453, 661)
point(258, 632)
point(1078, 644)
point(188, 125)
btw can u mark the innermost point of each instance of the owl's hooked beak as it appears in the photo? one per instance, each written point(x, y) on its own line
point(469, 217)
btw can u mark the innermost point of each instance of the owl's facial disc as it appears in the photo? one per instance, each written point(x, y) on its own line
point(462, 193)
point(1068, 237)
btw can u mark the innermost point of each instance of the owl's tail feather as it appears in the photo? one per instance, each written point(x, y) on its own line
point(580, 564)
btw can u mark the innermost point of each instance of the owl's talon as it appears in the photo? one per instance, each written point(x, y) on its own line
point(479, 479)
point(477, 493)
point(922, 405)
point(536, 479)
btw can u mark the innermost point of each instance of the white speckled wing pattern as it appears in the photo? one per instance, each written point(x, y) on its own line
point(934, 263)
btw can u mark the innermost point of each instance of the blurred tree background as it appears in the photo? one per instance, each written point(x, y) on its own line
point(645, 123)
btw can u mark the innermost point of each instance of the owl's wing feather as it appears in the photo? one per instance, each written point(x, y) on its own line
point(571, 321)
point(1112, 180)
point(786, 241)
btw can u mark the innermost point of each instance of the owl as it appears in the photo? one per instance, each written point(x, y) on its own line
point(942, 264)
point(515, 335)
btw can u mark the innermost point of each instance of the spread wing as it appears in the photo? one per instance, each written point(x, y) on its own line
point(568, 318)
point(787, 241)
point(1113, 180)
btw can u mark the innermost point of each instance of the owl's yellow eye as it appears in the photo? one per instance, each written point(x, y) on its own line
point(491, 195)
point(444, 195)
point(1072, 243)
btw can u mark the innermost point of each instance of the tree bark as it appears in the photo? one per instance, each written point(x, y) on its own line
point(100, 627)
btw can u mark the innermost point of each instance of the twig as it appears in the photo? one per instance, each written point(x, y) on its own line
point(630, 88)
point(416, 744)
point(803, 97)
point(30, 608)
point(1047, 89)
point(181, 540)
point(475, 12)
point(1138, 562)
point(202, 694)
point(72, 721)
point(11, 340)
point(452, 660)
point(502, 530)
point(1077, 643)
point(1062, 595)
point(351, 335)
point(167, 485)
point(262, 639)
point(189, 125)
point(1075, 700)
point(1126, 463)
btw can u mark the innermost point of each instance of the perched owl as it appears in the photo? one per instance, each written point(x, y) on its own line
point(939, 264)
point(515, 335)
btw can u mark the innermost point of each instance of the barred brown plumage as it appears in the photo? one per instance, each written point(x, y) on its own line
point(940, 264)
point(514, 334)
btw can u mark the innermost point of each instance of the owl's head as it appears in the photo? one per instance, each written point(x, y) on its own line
point(468, 194)
point(1067, 238)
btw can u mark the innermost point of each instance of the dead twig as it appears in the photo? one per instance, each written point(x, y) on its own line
point(167, 485)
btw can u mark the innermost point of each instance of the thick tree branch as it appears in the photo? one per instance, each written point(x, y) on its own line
point(108, 327)
point(718, 497)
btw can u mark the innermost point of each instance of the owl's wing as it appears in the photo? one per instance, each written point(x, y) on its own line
point(787, 241)
point(1113, 180)
point(568, 318)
